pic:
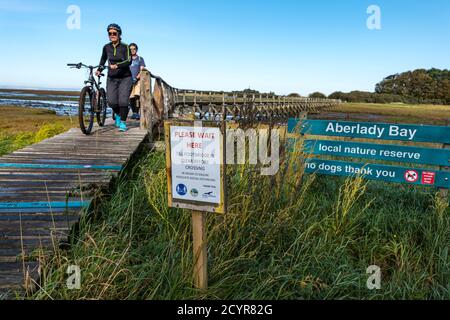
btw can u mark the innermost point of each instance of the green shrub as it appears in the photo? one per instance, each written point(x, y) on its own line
point(48, 131)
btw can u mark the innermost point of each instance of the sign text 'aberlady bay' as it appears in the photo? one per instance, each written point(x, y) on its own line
point(382, 131)
point(372, 130)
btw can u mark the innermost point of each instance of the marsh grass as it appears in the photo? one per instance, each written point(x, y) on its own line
point(285, 237)
point(24, 126)
point(396, 112)
point(10, 143)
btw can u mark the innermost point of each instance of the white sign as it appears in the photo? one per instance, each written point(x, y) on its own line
point(196, 163)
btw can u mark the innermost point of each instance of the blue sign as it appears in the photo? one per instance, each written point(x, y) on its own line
point(182, 189)
point(368, 130)
point(424, 177)
point(386, 152)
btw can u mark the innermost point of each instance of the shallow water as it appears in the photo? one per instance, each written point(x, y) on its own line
point(61, 107)
point(14, 94)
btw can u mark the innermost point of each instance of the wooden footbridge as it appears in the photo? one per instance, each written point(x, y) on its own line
point(45, 187)
point(167, 102)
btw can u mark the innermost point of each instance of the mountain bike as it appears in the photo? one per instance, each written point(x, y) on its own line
point(92, 100)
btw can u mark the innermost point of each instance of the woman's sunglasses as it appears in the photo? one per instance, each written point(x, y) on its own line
point(113, 34)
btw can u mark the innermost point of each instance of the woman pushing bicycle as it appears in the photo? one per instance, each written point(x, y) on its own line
point(119, 83)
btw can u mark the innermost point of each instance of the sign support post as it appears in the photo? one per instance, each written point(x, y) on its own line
point(200, 250)
point(443, 192)
point(196, 175)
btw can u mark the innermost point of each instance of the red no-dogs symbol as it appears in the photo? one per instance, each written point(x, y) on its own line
point(411, 176)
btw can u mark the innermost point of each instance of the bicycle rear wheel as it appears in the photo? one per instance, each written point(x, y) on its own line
point(86, 110)
point(103, 106)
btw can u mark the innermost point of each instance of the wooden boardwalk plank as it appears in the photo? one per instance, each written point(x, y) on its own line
point(49, 173)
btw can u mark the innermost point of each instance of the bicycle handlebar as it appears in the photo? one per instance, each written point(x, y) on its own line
point(81, 65)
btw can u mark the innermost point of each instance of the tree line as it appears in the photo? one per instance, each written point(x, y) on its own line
point(412, 87)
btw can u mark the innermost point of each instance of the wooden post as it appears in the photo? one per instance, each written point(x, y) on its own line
point(303, 115)
point(443, 192)
point(158, 101)
point(200, 250)
point(166, 100)
point(146, 102)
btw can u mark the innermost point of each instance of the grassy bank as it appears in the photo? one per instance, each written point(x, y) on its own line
point(285, 237)
point(24, 126)
point(394, 112)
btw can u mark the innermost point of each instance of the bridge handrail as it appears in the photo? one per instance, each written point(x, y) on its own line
point(239, 94)
point(162, 101)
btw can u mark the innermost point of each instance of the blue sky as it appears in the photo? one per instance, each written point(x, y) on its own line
point(283, 46)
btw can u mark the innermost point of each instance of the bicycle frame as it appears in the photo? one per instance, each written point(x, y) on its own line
point(92, 81)
point(95, 85)
point(97, 100)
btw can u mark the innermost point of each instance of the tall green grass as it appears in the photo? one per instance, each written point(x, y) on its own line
point(285, 237)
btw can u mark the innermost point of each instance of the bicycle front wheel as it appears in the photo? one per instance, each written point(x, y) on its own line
point(86, 110)
point(103, 106)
